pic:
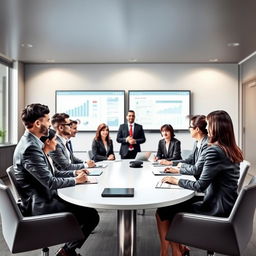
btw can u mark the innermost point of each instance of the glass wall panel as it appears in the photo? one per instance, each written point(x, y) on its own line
point(4, 103)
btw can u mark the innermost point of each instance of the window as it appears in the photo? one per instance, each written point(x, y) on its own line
point(4, 89)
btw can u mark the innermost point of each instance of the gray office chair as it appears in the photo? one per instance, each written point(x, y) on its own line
point(30, 233)
point(15, 186)
point(244, 167)
point(90, 155)
point(228, 236)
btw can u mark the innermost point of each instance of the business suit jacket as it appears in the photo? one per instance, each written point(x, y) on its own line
point(61, 159)
point(173, 152)
point(193, 165)
point(123, 133)
point(218, 179)
point(99, 151)
point(38, 183)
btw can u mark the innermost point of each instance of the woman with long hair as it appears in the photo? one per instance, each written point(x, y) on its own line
point(219, 179)
point(102, 145)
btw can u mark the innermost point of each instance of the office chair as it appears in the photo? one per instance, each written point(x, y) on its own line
point(228, 236)
point(30, 233)
point(244, 167)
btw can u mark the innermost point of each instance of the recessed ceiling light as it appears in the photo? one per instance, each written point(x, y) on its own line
point(213, 60)
point(50, 60)
point(132, 60)
point(233, 44)
point(27, 45)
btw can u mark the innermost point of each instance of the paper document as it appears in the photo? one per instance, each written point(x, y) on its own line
point(161, 184)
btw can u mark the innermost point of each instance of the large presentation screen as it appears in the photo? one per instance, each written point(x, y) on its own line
point(155, 108)
point(92, 108)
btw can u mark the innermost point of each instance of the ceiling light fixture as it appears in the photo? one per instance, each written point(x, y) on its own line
point(27, 45)
point(213, 60)
point(233, 44)
point(132, 60)
point(50, 60)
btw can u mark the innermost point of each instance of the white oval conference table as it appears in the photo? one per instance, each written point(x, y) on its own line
point(118, 174)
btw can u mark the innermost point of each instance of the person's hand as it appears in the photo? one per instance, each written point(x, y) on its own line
point(155, 158)
point(165, 162)
point(82, 171)
point(90, 163)
point(172, 170)
point(128, 138)
point(81, 178)
point(170, 180)
point(132, 141)
point(111, 157)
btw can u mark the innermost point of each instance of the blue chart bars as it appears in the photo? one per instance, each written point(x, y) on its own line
point(92, 107)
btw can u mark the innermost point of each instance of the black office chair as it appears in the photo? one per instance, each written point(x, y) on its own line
point(30, 233)
point(244, 167)
point(228, 236)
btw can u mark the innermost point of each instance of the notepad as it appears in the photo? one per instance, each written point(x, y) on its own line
point(118, 192)
point(95, 172)
point(160, 172)
point(161, 184)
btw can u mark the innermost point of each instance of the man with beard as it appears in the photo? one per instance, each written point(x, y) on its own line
point(38, 184)
point(63, 157)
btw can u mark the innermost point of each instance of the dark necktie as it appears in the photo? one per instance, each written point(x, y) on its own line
point(196, 154)
point(69, 146)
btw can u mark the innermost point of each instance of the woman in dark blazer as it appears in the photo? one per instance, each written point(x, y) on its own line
point(219, 179)
point(168, 147)
point(193, 164)
point(102, 145)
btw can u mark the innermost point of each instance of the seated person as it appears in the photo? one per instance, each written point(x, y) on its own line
point(193, 165)
point(38, 182)
point(63, 158)
point(168, 147)
point(102, 145)
point(219, 179)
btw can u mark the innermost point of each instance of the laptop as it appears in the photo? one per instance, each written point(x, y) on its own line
point(142, 156)
point(118, 192)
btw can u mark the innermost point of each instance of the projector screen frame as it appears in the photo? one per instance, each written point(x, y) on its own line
point(162, 91)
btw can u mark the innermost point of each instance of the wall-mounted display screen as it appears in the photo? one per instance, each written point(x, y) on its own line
point(92, 108)
point(155, 108)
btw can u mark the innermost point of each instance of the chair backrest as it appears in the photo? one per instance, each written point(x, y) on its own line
point(12, 178)
point(90, 155)
point(244, 167)
point(242, 214)
point(10, 214)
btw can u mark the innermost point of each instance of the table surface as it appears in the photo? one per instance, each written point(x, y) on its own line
point(118, 174)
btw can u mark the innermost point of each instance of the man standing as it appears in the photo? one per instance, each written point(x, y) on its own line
point(130, 135)
point(38, 184)
point(63, 157)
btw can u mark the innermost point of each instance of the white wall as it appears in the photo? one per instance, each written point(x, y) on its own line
point(213, 86)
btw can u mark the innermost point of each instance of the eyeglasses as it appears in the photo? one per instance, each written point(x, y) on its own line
point(192, 127)
point(68, 124)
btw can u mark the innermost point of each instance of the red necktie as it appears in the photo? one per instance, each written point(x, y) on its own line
point(130, 133)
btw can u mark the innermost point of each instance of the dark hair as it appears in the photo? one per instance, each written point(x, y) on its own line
point(74, 122)
point(200, 122)
point(222, 133)
point(99, 129)
point(33, 112)
point(50, 136)
point(59, 118)
point(131, 111)
point(169, 128)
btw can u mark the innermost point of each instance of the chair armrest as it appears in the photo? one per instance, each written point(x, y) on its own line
point(47, 230)
point(201, 231)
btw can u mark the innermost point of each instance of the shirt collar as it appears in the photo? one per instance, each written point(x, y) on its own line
point(64, 140)
point(41, 144)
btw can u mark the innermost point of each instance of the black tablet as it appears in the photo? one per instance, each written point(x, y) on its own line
point(118, 192)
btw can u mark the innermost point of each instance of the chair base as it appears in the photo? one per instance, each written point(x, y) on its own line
point(45, 251)
point(210, 253)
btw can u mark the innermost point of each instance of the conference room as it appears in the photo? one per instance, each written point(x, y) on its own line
point(96, 60)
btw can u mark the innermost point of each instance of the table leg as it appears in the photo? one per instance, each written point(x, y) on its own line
point(126, 225)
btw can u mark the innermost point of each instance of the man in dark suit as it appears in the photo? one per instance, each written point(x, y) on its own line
point(63, 157)
point(130, 135)
point(38, 184)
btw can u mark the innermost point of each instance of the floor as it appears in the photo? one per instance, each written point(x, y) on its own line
point(103, 241)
